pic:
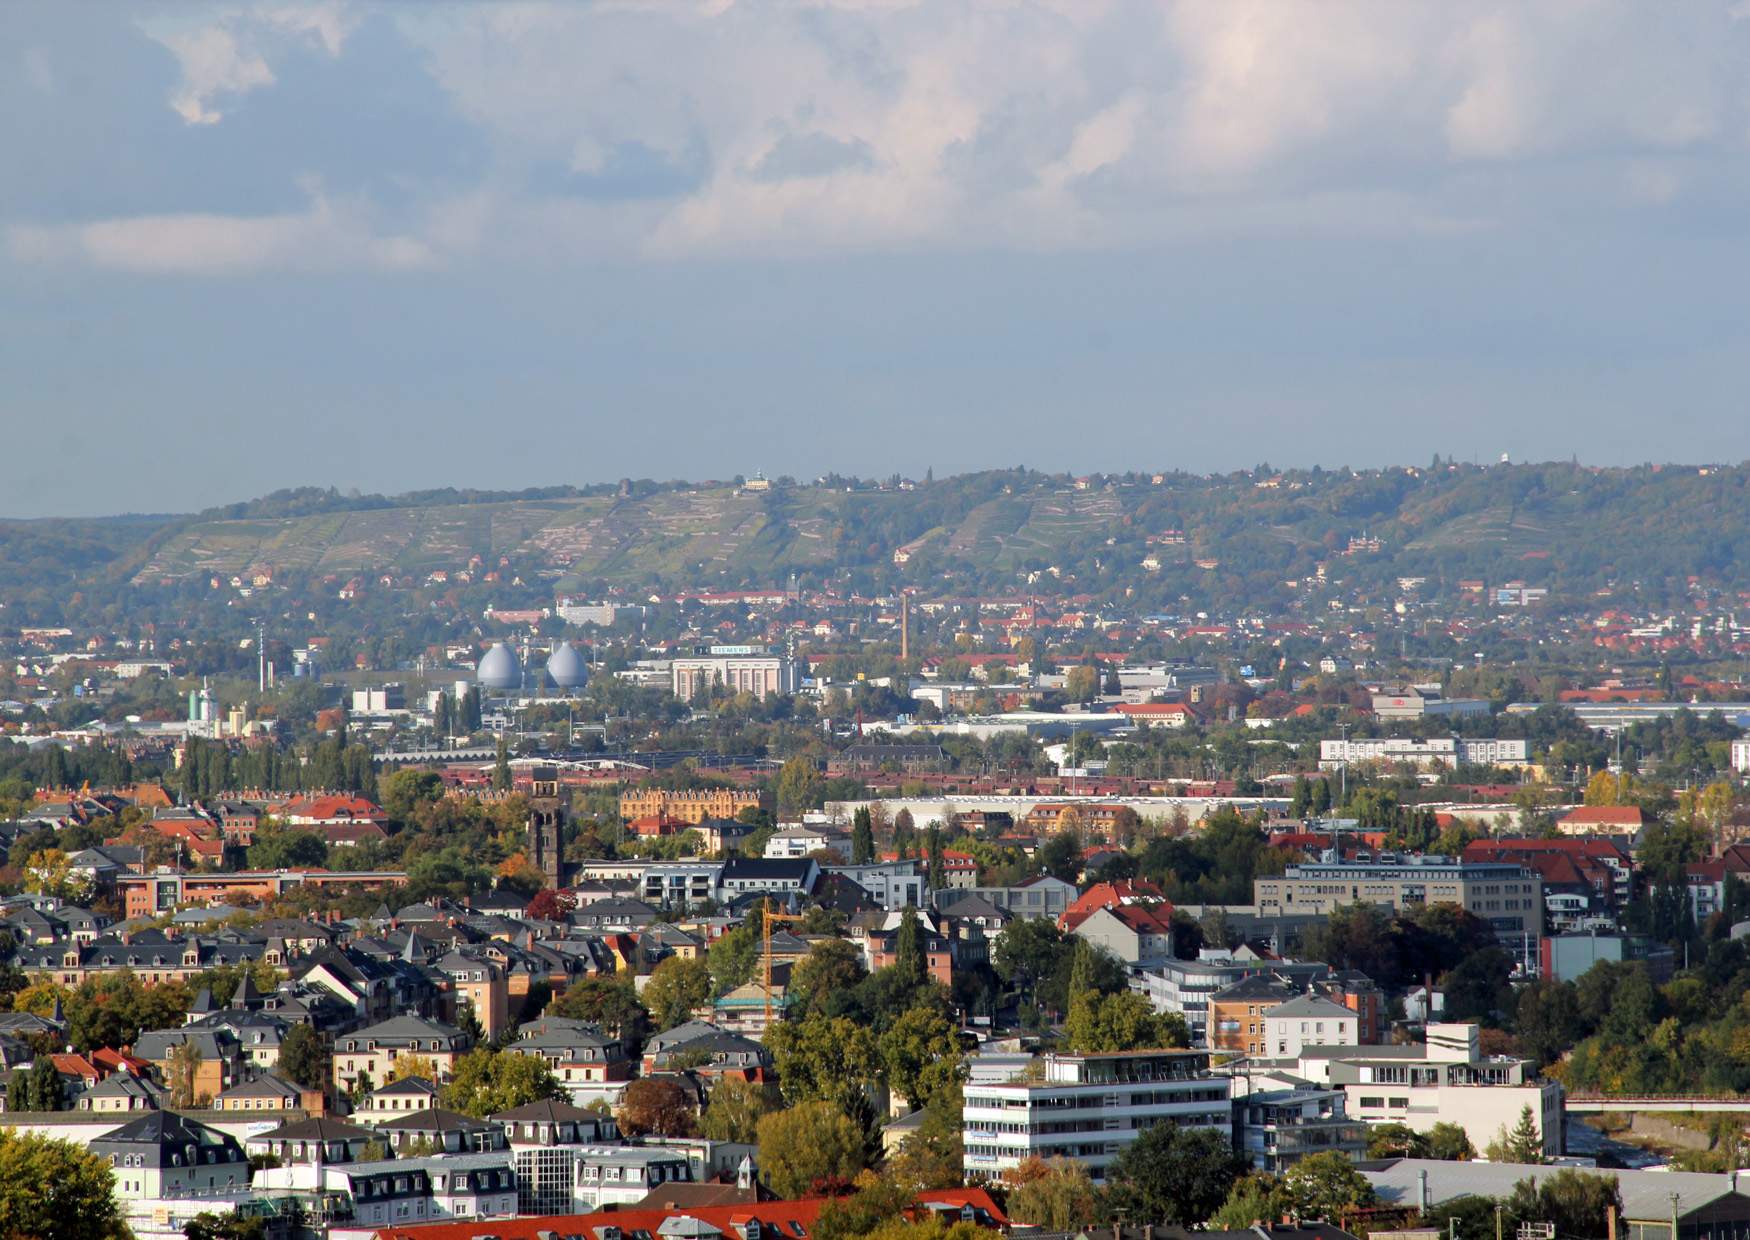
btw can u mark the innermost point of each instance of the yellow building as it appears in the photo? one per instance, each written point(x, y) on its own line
point(693, 806)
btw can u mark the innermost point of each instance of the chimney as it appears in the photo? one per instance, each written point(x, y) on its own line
point(1610, 1222)
point(1422, 1192)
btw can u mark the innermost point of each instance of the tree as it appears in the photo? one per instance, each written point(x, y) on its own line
point(610, 1003)
point(831, 967)
point(1448, 1141)
point(736, 1108)
point(658, 1106)
point(546, 906)
point(281, 848)
point(303, 1058)
point(921, 1054)
point(934, 1154)
point(734, 957)
point(406, 1066)
point(1062, 856)
point(50, 873)
point(1177, 1175)
point(798, 786)
point(1395, 1141)
point(1522, 1145)
point(36, 1088)
point(182, 1065)
point(485, 1081)
point(807, 1143)
point(55, 1189)
point(862, 837)
point(1254, 1199)
point(1081, 683)
point(1547, 1020)
point(210, 1226)
point(908, 951)
point(501, 767)
point(676, 988)
point(1120, 1022)
point(831, 1059)
point(1326, 1186)
point(1055, 1195)
point(1577, 1202)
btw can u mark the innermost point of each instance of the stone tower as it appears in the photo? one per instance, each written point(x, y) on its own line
point(547, 815)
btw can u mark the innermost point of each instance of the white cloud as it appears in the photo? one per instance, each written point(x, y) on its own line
point(322, 237)
point(224, 56)
point(213, 63)
point(706, 127)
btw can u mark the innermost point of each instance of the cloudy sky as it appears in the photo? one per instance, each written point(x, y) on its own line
point(413, 244)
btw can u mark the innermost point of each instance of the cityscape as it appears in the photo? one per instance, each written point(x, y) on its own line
point(1030, 620)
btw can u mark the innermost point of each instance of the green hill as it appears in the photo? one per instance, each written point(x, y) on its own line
point(1570, 527)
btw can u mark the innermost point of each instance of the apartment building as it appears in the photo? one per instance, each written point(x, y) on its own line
point(1088, 1108)
point(692, 805)
point(1507, 896)
point(1277, 1128)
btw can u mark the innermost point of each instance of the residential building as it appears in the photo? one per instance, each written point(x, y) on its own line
point(893, 885)
point(163, 1154)
point(1044, 896)
point(1236, 1014)
point(690, 805)
point(744, 876)
point(369, 1054)
point(1088, 1108)
point(1309, 1020)
point(1277, 1128)
point(1137, 934)
point(680, 884)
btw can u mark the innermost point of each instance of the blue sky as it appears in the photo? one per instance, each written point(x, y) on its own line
point(394, 245)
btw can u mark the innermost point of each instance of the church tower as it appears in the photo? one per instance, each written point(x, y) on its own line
point(547, 816)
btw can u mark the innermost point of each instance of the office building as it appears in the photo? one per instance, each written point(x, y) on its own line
point(1088, 1108)
point(1509, 897)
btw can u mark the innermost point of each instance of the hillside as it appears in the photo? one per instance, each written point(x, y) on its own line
point(1236, 538)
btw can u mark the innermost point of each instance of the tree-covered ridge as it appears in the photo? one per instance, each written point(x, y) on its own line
point(1232, 539)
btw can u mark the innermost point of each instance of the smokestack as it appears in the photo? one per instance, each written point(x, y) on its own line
point(904, 627)
point(1421, 1192)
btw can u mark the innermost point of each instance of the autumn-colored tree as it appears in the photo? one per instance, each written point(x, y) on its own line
point(1057, 1196)
point(56, 1189)
point(677, 987)
point(736, 1108)
point(807, 1143)
point(653, 1106)
point(406, 1065)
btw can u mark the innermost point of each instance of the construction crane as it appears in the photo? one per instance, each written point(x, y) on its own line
point(767, 967)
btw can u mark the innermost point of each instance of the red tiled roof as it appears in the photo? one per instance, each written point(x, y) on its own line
point(779, 1214)
point(1107, 895)
point(1606, 815)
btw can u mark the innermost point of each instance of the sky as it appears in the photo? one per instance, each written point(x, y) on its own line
point(398, 245)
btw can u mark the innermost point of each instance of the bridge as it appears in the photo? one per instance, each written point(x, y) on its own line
point(1689, 1104)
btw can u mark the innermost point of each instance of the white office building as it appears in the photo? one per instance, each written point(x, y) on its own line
point(1088, 1108)
point(1445, 751)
